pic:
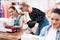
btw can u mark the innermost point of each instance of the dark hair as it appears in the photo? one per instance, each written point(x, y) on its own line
point(13, 3)
point(57, 10)
point(13, 8)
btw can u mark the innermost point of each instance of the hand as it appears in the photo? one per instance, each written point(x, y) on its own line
point(31, 22)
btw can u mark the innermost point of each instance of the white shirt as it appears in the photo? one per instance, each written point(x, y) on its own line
point(51, 34)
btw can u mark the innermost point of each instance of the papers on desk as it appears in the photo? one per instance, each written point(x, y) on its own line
point(31, 37)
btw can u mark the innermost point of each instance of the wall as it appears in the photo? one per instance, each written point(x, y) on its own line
point(40, 4)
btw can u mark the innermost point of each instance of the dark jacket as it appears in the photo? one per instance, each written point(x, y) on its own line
point(37, 15)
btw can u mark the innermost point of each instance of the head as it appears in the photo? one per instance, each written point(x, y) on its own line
point(24, 7)
point(55, 18)
point(12, 10)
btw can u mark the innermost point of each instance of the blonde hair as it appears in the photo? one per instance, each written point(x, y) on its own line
point(24, 4)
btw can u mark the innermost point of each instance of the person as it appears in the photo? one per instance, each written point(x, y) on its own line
point(36, 16)
point(17, 18)
point(52, 31)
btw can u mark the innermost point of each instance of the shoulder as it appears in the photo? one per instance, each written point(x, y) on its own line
point(35, 9)
point(38, 11)
point(44, 30)
point(46, 27)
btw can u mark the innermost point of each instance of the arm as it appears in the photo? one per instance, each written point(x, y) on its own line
point(21, 22)
point(44, 31)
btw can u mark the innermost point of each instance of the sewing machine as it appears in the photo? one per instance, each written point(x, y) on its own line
point(9, 22)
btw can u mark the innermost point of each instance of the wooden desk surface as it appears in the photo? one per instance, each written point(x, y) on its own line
point(12, 36)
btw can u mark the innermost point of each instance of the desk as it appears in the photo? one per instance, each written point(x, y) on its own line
point(11, 36)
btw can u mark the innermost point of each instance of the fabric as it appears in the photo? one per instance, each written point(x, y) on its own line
point(45, 30)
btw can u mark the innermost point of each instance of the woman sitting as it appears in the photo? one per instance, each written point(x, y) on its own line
point(16, 18)
point(52, 32)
